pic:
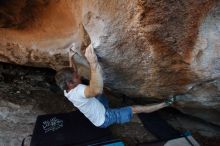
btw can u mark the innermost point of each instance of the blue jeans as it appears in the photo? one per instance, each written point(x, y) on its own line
point(116, 115)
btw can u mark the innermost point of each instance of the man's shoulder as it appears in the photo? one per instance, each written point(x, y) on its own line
point(79, 90)
point(79, 87)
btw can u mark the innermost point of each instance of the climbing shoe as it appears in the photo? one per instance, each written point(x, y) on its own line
point(170, 100)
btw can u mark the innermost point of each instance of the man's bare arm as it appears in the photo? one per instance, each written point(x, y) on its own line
point(96, 82)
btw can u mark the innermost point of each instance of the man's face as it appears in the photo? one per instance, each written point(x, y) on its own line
point(76, 78)
point(74, 82)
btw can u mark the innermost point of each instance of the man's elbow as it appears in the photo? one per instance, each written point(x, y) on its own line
point(97, 92)
point(91, 92)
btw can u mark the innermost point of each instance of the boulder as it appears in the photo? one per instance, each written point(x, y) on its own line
point(150, 49)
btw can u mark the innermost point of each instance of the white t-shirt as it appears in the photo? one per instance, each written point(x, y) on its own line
point(90, 107)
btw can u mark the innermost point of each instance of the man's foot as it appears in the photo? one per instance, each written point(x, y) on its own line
point(170, 100)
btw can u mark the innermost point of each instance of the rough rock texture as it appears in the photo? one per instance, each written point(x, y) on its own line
point(146, 48)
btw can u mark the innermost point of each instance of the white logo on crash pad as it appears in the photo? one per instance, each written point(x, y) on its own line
point(52, 124)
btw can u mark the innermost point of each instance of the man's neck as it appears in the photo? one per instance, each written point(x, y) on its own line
point(71, 88)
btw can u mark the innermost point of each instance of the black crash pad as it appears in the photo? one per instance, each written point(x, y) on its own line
point(158, 126)
point(68, 129)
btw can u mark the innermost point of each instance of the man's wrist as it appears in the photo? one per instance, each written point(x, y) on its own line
point(93, 64)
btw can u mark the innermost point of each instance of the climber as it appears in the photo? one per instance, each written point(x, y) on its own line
point(89, 98)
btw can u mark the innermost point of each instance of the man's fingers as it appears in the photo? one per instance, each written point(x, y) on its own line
point(90, 54)
point(72, 48)
point(91, 49)
point(88, 50)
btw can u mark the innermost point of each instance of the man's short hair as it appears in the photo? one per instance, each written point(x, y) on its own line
point(64, 76)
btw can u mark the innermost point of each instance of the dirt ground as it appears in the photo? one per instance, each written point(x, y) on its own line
point(27, 92)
